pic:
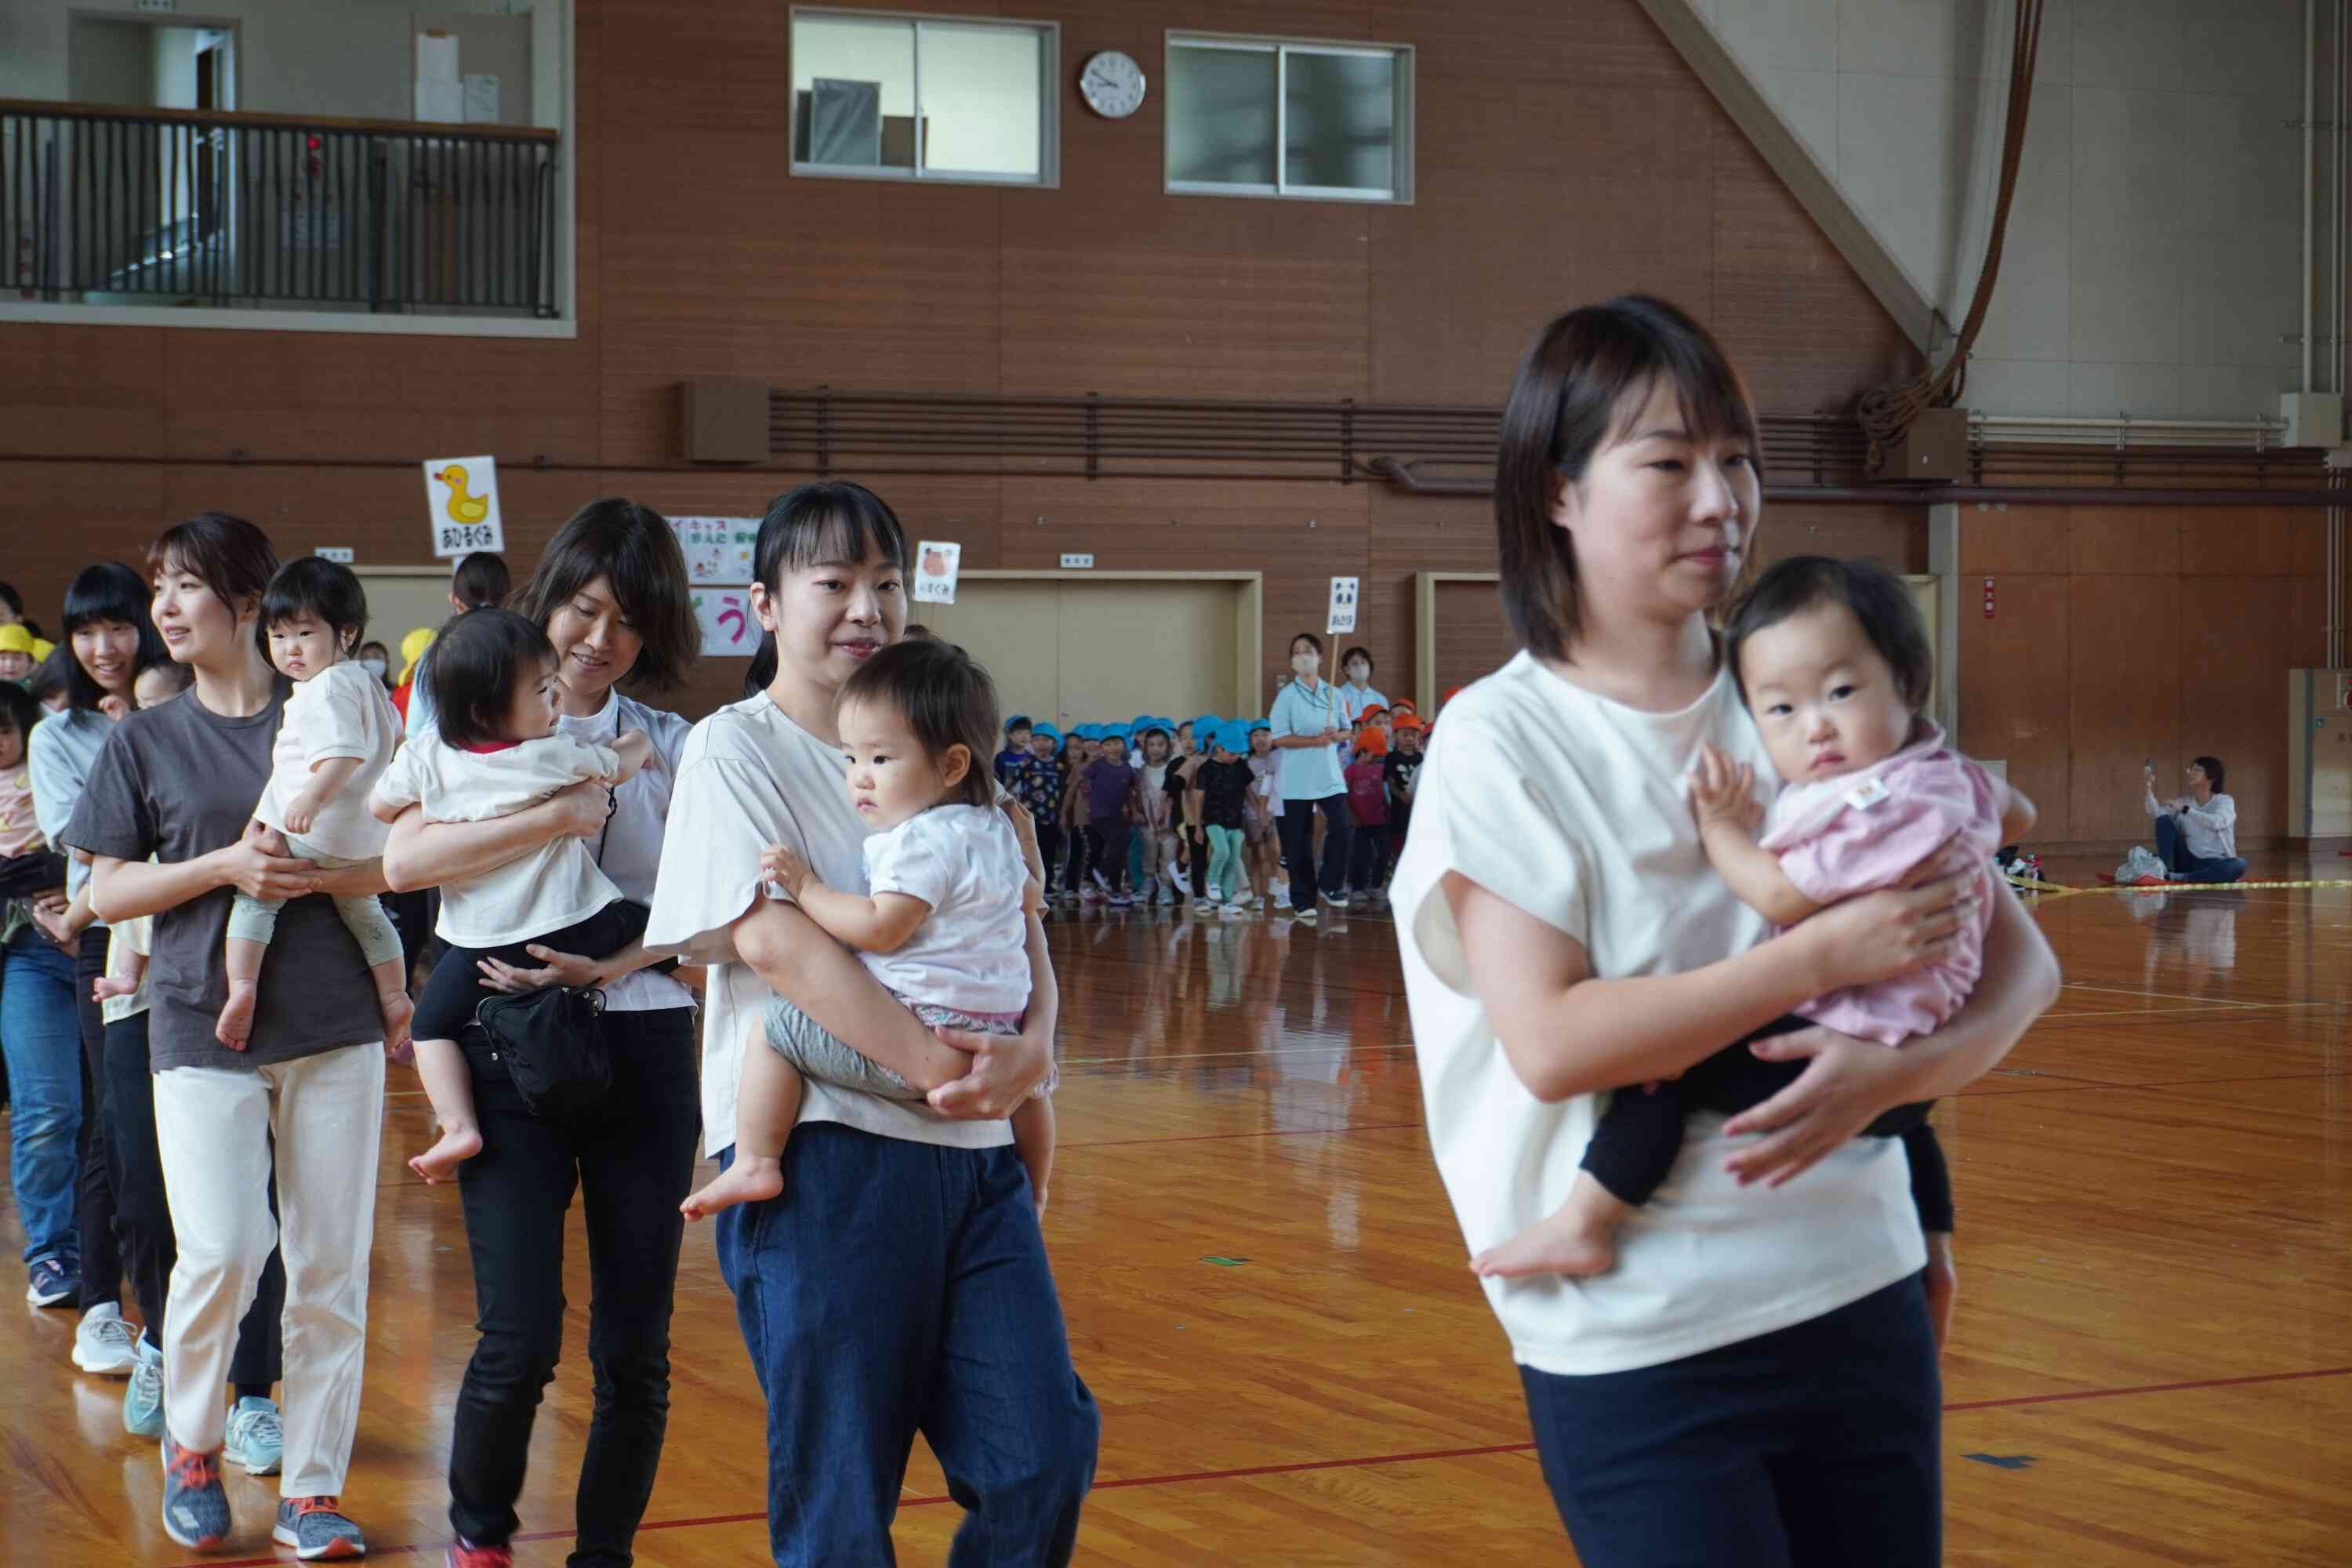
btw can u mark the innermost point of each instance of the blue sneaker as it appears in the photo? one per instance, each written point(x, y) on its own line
point(315, 1528)
point(195, 1509)
point(255, 1438)
point(142, 1401)
point(53, 1281)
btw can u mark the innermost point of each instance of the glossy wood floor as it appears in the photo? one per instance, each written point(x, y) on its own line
point(2153, 1362)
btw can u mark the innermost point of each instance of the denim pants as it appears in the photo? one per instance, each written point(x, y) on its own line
point(898, 1288)
point(1816, 1446)
point(632, 1160)
point(2173, 851)
point(41, 1032)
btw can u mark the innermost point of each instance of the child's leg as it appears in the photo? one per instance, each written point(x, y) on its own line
point(784, 1030)
point(767, 1104)
point(1220, 863)
point(252, 922)
point(365, 918)
point(449, 1086)
point(1632, 1150)
point(1033, 1140)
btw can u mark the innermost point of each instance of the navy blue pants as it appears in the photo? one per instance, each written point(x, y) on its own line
point(1813, 1447)
point(898, 1288)
point(2173, 851)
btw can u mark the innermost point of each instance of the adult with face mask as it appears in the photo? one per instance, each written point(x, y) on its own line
point(376, 659)
point(1309, 725)
point(1358, 700)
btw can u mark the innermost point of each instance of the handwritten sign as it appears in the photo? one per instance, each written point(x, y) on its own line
point(462, 496)
point(730, 629)
point(718, 549)
point(1342, 619)
point(935, 563)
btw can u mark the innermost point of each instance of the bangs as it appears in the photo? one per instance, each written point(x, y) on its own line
point(1707, 392)
point(852, 537)
point(107, 592)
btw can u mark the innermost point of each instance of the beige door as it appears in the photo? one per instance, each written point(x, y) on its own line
point(1080, 650)
point(401, 598)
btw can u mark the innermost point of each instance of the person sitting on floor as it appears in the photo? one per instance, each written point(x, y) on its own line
point(2197, 833)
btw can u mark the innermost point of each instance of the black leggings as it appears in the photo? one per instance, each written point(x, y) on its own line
point(456, 988)
point(102, 1263)
point(1641, 1133)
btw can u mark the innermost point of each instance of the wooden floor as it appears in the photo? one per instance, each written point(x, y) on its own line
point(2153, 1362)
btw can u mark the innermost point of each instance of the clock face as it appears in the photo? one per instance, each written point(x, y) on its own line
point(1113, 85)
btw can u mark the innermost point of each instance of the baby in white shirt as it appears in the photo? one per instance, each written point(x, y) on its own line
point(944, 925)
point(496, 752)
point(335, 738)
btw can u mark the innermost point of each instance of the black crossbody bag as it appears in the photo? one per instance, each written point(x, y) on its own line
point(551, 1043)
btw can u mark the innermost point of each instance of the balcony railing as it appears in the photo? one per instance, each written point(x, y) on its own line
point(102, 206)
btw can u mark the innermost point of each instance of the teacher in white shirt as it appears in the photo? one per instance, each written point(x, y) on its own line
point(2196, 833)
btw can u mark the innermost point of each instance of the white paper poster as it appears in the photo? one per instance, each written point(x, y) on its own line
point(730, 629)
point(936, 561)
point(1343, 608)
point(440, 96)
point(462, 496)
point(718, 549)
point(482, 98)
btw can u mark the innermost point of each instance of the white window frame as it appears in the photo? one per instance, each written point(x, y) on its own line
point(1049, 100)
point(1282, 48)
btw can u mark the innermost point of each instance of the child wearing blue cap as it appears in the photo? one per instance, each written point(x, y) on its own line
point(1222, 784)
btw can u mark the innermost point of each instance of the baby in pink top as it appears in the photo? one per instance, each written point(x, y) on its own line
point(1837, 670)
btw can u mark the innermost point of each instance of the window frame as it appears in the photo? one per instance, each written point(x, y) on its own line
point(1402, 57)
point(1049, 99)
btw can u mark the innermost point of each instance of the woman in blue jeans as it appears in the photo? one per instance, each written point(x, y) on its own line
point(2197, 832)
point(900, 1284)
point(42, 1036)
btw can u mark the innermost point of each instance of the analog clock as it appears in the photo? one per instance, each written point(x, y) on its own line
point(1112, 85)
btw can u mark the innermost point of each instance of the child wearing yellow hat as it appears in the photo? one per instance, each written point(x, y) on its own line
point(16, 655)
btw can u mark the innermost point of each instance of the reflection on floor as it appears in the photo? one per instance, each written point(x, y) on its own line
point(1266, 1292)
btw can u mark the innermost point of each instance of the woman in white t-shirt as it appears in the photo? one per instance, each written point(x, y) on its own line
point(1755, 1382)
point(900, 1283)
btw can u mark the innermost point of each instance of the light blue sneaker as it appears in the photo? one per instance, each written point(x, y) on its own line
point(142, 1400)
point(255, 1438)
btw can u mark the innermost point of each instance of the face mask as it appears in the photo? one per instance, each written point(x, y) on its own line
point(373, 667)
point(1304, 663)
point(1359, 673)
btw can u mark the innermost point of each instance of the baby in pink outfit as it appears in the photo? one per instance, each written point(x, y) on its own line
point(1837, 670)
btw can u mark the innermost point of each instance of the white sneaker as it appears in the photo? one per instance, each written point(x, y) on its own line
point(1234, 909)
point(1204, 906)
point(1282, 900)
point(1306, 917)
point(104, 1344)
point(1167, 895)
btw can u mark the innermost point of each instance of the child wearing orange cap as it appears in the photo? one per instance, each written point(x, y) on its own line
point(1367, 803)
point(1400, 770)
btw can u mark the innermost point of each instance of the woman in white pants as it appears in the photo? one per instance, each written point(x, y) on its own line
point(179, 782)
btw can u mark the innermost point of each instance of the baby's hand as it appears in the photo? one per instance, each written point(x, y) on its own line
point(302, 812)
point(780, 866)
point(1723, 792)
point(115, 707)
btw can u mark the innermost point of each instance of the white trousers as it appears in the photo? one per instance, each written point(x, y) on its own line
point(213, 1128)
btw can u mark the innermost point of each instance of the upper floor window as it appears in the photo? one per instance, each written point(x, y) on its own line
point(1264, 117)
point(889, 97)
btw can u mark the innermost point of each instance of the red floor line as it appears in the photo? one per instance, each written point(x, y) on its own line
point(1304, 1466)
point(1270, 1132)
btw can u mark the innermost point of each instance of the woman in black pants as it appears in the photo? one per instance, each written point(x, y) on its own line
point(611, 593)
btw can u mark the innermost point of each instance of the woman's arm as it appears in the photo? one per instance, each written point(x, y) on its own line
point(1005, 1068)
point(1567, 1034)
point(825, 980)
point(1849, 1081)
point(422, 854)
point(123, 889)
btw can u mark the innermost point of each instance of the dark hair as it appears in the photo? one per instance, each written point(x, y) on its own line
point(19, 711)
point(480, 580)
point(52, 675)
point(946, 698)
point(636, 551)
point(15, 600)
point(109, 590)
point(1576, 386)
point(226, 554)
point(915, 631)
point(1358, 651)
point(827, 520)
point(1310, 638)
point(326, 590)
point(1875, 595)
point(2214, 770)
point(477, 661)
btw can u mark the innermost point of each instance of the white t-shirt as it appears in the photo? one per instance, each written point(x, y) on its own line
point(2210, 831)
point(629, 849)
point(342, 711)
point(750, 777)
point(1308, 773)
point(545, 889)
point(1575, 809)
point(971, 950)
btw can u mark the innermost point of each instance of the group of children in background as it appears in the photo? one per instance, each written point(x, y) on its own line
point(1158, 812)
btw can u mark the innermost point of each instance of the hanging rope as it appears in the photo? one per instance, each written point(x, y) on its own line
point(1885, 413)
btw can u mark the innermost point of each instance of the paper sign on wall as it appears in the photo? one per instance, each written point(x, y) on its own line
point(1343, 608)
point(730, 629)
point(935, 563)
point(717, 549)
point(463, 495)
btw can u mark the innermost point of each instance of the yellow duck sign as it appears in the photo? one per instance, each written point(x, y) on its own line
point(462, 494)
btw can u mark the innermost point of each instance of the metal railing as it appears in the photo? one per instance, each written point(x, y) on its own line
point(102, 206)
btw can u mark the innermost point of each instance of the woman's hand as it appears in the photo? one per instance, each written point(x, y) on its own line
point(257, 866)
point(1724, 793)
point(570, 969)
point(1881, 935)
point(1005, 1068)
point(1845, 1084)
point(1943, 1280)
point(582, 809)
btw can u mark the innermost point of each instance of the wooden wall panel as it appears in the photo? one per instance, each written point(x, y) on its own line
point(1472, 638)
point(2124, 693)
point(72, 389)
point(2234, 695)
point(2233, 541)
point(2015, 699)
point(2028, 540)
point(1894, 536)
point(2132, 541)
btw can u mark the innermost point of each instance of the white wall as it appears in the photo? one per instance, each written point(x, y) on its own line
point(2154, 259)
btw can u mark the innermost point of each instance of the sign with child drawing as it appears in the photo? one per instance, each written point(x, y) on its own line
point(1342, 619)
point(462, 495)
point(717, 549)
point(936, 561)
point(730, 629)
